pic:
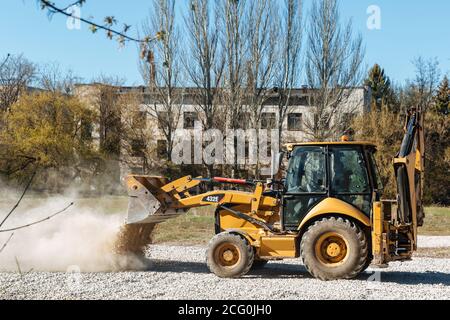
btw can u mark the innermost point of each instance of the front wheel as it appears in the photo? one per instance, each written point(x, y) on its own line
point(229, 255)
point(334, 248)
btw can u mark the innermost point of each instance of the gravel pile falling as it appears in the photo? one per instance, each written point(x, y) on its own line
point(134, 238)
point(177, 272)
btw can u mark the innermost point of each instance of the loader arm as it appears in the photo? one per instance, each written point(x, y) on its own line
point(155, 199)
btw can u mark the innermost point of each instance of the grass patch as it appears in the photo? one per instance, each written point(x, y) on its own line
point(195, 227)
point(441, 253)
point(437, 222)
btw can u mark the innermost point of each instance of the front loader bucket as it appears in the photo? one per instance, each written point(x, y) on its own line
point(148, 203)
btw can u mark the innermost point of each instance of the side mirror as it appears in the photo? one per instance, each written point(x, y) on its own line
point(277, 158)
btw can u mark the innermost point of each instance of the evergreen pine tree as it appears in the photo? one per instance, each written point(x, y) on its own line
point(380, 85)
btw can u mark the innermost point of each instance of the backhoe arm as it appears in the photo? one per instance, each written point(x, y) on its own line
point(395, 223)
point(409, 172)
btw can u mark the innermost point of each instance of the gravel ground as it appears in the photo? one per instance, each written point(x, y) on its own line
point(434, 241)
point(178, 272)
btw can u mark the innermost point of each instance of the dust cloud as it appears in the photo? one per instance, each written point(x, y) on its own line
point(87, 236)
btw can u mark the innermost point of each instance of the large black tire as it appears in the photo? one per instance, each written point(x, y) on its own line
point(229, 255)
point(367, 264)
point(334, 248)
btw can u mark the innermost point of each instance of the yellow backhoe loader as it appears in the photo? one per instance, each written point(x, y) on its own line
point(328, 209)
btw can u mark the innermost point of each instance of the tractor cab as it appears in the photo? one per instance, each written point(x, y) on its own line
point(345, 171)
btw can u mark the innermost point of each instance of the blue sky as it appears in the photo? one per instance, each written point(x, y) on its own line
point(408, 29)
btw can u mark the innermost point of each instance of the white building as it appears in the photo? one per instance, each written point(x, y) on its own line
point(293, 125)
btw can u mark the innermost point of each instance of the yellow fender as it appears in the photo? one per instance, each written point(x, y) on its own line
point(335, 206)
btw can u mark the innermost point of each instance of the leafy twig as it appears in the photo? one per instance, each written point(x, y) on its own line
point(39, 221)
point(95, 26)
point(6, 243)
point(20, 199)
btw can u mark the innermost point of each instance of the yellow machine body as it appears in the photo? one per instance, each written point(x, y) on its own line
point(391, 226)
point(174, 199)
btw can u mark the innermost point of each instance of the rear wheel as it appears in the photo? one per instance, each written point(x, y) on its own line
point(334, 248)
point(229, 255)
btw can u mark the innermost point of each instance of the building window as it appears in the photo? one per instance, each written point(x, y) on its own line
point(189, 120)
point(162, 119)
point(140, 120)
point(148, 99)
point(245, 120)
point(303, 101)
point(269, 149)
point(161, 149)
point(86, 131)
point(268, 120)
point(294, 122)
point(137, 148)
point(136, 170)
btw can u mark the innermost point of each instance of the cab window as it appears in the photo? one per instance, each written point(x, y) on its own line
point(348, 171)
point(349, 177)
point(307, 171)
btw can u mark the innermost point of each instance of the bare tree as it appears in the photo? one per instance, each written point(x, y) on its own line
point(107, 107)
point(426, 81)
point(137, 137)
point(205, 63)
point(104, 98)
point(289, 61)
point(16, 73)
point(334, 60)
point(162, 71)
point(261, 60)
point(52, 77)
point(234, 44)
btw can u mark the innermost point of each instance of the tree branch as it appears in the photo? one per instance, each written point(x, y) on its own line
point(6, 243)
point(75, 3)
point(5, 61)
point(20, 199)
point(39, 221)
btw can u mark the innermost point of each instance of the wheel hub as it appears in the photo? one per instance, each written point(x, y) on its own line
point(227, 255)
point(331, 249)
